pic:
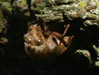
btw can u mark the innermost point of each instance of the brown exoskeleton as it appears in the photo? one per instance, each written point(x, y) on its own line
point(41, 43)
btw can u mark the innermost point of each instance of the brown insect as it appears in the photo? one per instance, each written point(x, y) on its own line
point(42, 44)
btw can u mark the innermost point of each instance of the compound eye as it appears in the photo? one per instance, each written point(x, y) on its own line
point(39, 42)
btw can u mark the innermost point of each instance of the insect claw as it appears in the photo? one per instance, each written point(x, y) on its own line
point(45, 26)
point(70, 39)
point(66, 29)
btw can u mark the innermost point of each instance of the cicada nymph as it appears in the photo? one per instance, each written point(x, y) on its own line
point(41, 43)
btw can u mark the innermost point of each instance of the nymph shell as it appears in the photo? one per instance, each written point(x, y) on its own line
point(38, 46)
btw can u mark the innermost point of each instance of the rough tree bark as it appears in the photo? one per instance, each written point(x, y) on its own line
point(81, 15)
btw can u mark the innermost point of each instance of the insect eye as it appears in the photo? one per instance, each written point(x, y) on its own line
point(39, 42)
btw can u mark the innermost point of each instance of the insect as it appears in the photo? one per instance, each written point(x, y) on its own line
point(42, 43)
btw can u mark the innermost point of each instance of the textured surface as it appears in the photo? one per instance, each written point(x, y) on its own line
point(82, 56)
